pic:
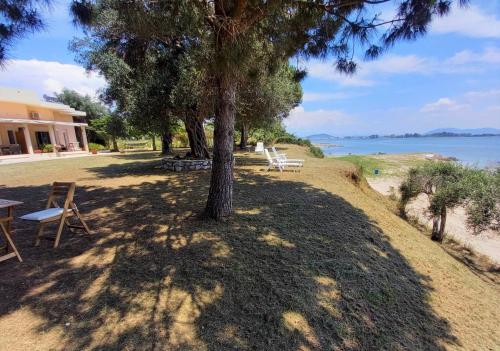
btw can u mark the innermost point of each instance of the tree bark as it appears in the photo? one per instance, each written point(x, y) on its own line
point(115, 144)
point(435, 228)
point(197, 138)
point(443, 224)
point(220, 197)
point(244, 136)
point(166, 143)
point(439, 225)
point(153, 138)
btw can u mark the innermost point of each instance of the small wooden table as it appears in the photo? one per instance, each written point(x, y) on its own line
point(5, 228)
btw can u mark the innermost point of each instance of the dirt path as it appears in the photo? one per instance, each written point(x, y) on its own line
point(486, 243)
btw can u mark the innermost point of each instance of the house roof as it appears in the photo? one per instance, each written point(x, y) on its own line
point(40, 122)
point(30, 98)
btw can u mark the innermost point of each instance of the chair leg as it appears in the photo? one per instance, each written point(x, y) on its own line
point(10, 242)
point(80, 218)
point(39, 233)
point(59, 231)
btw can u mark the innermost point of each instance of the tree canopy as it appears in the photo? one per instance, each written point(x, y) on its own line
point(335, 29)
point(18, 18)
point(448, 185)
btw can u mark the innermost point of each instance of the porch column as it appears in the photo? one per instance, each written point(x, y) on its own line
point(27, 139)
point(84, 139)
point(52, 136)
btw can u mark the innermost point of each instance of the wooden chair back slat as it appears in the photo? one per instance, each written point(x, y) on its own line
point(61, 190)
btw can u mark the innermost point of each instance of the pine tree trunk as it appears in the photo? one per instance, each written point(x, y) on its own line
point(166, 143)
point(220, 197)
point(244, 136)
point(153, 138)
point(197, 138)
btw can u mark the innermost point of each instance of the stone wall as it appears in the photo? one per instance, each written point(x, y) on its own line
point(180, 165)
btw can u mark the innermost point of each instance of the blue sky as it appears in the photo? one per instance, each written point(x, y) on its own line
point(449, 78)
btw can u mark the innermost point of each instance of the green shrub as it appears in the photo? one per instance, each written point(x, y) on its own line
point(316, 151)
point(94, 146)
point(180, 139)
point(47, 148)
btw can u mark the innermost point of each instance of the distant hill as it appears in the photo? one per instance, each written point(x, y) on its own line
point(320, 137)
point(474, 131)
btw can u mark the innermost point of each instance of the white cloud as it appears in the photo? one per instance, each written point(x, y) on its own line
point(475, 101)
point(316, 121)
point(327, 71)
point(394, 64)
point(442, 105)
point(486, 94)
point(47, 77)
point(309, 97)
point(490, 55)
point(469, 21)
point(368, 73)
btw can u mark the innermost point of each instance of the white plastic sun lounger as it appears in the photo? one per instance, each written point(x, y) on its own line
point(283, 157)
point(280, 164)
point(259, 148)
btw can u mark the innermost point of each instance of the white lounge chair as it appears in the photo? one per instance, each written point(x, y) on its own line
point(259, 148)
point(279, 163)
point(283, 157)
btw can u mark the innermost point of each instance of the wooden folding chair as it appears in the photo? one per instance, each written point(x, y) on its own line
point(54, 213)
point(4, 224)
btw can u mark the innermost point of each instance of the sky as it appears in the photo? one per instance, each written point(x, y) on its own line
point(449, 78)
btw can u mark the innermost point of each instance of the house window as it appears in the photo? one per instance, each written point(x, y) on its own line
point(12, 137)
point(42, 138)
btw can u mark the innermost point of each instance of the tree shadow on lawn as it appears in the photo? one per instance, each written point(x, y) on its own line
point(296, 268)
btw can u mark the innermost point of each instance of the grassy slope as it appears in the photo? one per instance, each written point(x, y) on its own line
point(311, 260)
point(389, 165)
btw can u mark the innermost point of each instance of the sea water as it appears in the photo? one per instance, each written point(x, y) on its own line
point(473, 151)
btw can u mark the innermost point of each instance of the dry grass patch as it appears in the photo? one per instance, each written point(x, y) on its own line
point(310, 261)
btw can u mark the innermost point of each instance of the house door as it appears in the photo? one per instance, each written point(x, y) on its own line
point(21, 140)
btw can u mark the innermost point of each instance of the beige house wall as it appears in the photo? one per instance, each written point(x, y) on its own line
point(63, 134)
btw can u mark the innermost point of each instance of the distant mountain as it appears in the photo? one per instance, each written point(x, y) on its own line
point(320, 137)
point(474, 131)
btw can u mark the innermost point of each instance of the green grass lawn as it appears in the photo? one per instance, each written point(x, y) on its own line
point(310, 261)
point(388, 165)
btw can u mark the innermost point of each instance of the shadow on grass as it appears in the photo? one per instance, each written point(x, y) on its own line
point(295, 268)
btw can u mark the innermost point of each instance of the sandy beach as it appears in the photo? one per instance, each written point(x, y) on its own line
point(486, 243)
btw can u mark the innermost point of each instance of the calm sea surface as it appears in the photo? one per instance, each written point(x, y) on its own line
point(476, 151)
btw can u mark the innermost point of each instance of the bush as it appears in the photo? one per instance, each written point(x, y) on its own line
point(180, 139)
point(47, 148)
point(316, 151)
point(94, 146)
point(292, 139)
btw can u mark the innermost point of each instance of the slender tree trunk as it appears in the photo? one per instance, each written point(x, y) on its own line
point(244, 136)
point(439, 225)
point(115, 144)
point(220, 197)
point(166, 143)
point(443, 224)
point(435, 228)
point(197, 139)
point(153, 138)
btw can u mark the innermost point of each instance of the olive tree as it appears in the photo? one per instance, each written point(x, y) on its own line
point(448, 185)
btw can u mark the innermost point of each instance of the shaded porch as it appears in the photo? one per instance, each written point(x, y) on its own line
point(28, 137)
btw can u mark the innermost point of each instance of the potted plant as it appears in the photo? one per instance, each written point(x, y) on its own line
point(93, 147)
point(47, 148)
